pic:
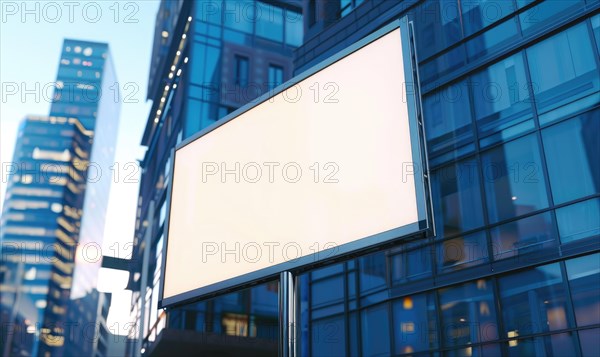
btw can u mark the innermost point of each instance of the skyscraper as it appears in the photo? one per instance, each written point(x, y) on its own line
point(53, 217)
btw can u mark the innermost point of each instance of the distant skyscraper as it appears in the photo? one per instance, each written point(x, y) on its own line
point(53, 217)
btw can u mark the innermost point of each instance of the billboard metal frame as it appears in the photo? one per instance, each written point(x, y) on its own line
point(424, 225)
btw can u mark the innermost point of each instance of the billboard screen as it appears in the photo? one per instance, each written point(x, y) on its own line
point(323, 167)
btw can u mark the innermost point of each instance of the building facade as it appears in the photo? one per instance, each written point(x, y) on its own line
point(51, 245)
point(211, 58)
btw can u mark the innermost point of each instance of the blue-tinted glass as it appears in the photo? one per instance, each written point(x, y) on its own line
point(573, 155)
point(372, 271)
point(354, 337)
point(534, 301)
point(525, 236)
point(500, 95)
point(294, 28)
point(328, 337)
point(211, 72)
point(242, 71)
point(442, 65)
point(462, 252)
point(457, 198)
point(553, 345)
point(437, 25)
point(513, 178)
point(479, 14)
point(197, 56)
point(209, 11)
point(578, 221)
point(563, 69)
point(547, 12)
point(447, 116)
point(327, 291)
point(376, 331)
point(489, 350)
point(468, 313)
point(412, 265)
point(239, 15)
point(269, 22)
point(588, 339)
point(584, 280)
point(596, 27)
point(275, 76)
point(415, 326)
point(335, 269)
point(493, 39)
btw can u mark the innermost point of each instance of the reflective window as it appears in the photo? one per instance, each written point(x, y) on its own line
point(546, 12)
point(372, 271)
point(462, 252)
point(584, 280)
point(588, 339)
point(596, 27)
point(294, 28)
point(500, 95)
point(442, 65)
point(275, 76)
point(573, 156)
point(411, 265)
point(269, 22)
point(513, 178)
point(489, 350)
point(242, 71)
point(525, 236)
point(448, 117)
point(328, 291)
point(468, 313)
point(239, 15)
point(492, 39)
point(376, 331)
point(533, 301)
point(437, 25)
point(457, 198)
point(328, 337)
point(553, 345)
point(415, 327)
point(578, 221)
point(563, 69)
point(479, 14)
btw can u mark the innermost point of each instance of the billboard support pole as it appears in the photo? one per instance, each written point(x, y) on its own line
point(287, 314)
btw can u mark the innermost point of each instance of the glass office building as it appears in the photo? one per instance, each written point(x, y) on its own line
point(53, 216)
point(209, 58)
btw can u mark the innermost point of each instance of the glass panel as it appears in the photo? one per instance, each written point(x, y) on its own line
point(479, 14)
point(493, 39)
point(533, 301)
point(269, 22)
point(415, 327)
point(525, 236)
point(500, 95)
point(437, 26)
point(573, 155)
point(547, 12)
point(442, 65)
point(491, 350)
point(376, 331)
point(412, 265)
point(513, 178)
point(457, 198)
point(372, 271)
point(563, 68)
point(578, 221)
point(584, 279)
point(239, 15)
point(589, 342)
point(241, 71)
point(328, 337)
point(294, 28)
point(462, 252)
point(327, 291)
point(275, 76)
point(468, 313)
point(327, 271)
point(448, 116)
point(596, 28)
point(552, 345)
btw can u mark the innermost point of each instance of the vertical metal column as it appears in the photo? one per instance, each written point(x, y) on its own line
point(287, 315)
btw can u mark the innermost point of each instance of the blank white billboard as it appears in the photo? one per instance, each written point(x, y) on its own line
point(318, 170)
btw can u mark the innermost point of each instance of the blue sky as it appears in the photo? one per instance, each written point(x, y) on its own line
point(30, 46)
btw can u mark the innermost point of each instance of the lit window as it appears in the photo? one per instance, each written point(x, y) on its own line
point(88, 51)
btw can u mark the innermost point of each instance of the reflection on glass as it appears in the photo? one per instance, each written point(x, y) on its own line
point(533, 301)
point(492, 39)
point(457, 198)
point(415, 324)
point(525, 236)
point(480, 14)
point(372, 270)
point(588, 339)
point(437, 26)
point(462, 252)
point(376, 331)
point(546, 12)
point(468, 313)
point(584, 280)
point(411, 265)
point(552, 345)
point(579, 221)
point(328, 337)
point(572, 152)
point(514, 180)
